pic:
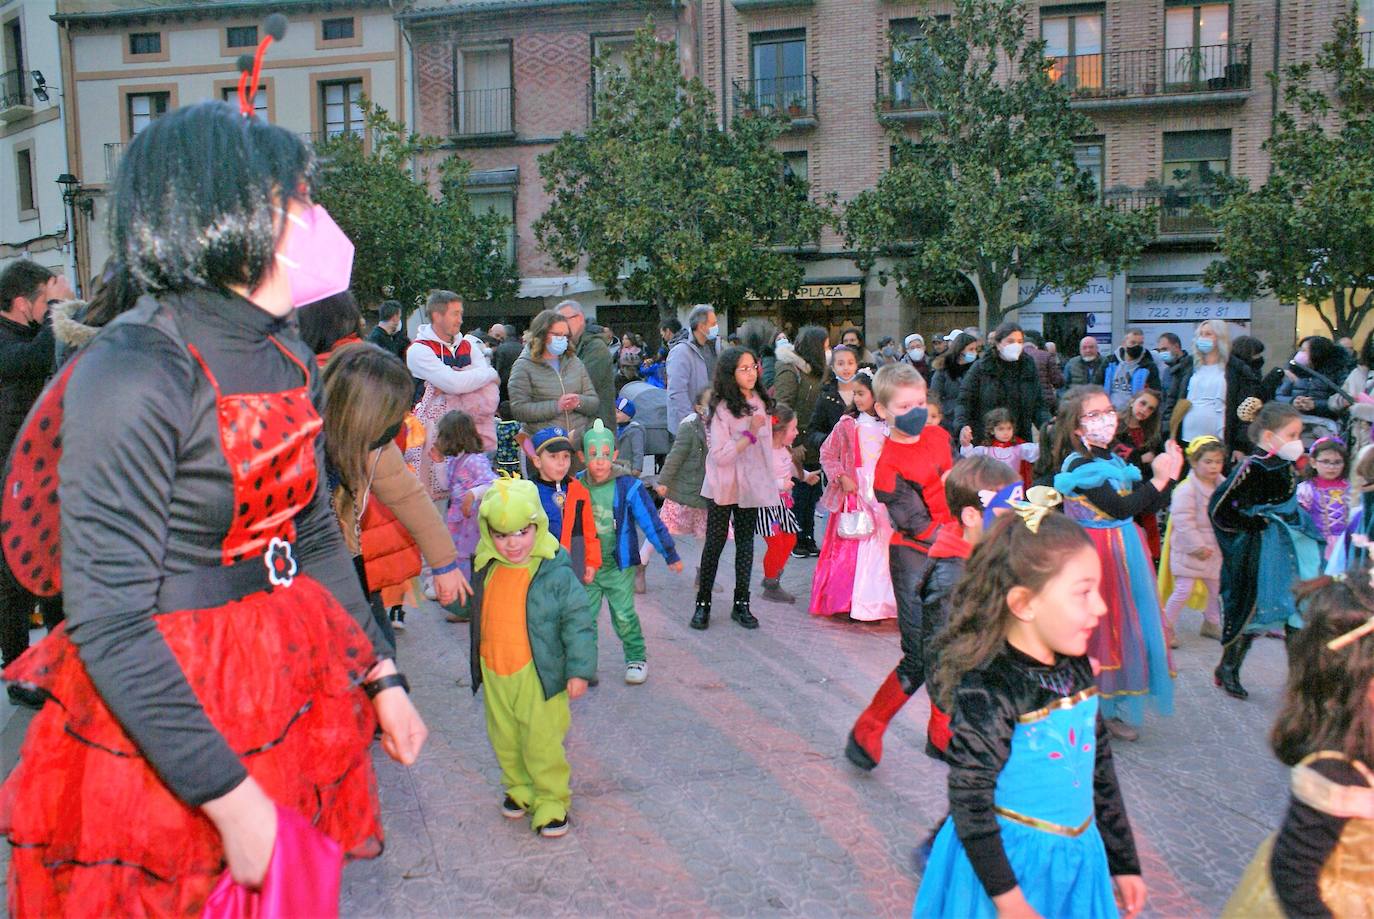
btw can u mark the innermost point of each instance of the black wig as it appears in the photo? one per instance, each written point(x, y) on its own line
point(200, 196)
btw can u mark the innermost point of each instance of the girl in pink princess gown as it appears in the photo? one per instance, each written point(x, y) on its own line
point(851, 574)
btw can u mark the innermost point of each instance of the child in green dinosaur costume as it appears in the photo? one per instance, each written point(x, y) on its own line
point(620, 503)
point(533, 647)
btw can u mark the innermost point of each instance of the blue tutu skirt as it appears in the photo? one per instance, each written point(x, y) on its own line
point(1062, 877)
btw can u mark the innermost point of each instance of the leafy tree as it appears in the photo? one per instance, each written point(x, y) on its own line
point(665, 205)
point(409, 240)
point(1307, 234)
point(989, 188)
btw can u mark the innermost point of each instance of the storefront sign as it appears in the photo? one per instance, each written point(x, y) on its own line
point(1182, 302)
point(822, 292)
point(1096, 296)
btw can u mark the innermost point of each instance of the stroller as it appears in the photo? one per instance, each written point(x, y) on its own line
point(651, 411)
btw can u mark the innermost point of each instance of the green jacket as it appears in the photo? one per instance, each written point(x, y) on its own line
point(685, 468)
point(595, 355)
point(561, 628)
point(794, 384)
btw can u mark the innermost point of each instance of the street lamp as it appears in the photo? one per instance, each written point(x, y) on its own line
point(75, 198)
point(40, 86)
point(74, 195)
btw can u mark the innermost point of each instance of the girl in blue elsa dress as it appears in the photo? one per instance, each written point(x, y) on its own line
point(1037, 825)
point(1106, 495)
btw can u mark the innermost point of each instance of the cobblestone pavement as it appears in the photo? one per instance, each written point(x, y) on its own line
point(719, 788)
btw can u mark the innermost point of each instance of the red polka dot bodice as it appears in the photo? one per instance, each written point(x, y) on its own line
point(269, 442)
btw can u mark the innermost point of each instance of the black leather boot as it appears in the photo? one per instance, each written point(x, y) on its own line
point(740, 612)
point(1227, 674)
point(701, 619)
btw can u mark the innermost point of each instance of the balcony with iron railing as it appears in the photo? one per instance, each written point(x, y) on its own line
point(1182, 213)
point(318, 137)
point(899, 100)
point(1205, 74)
point(1209, 74)
point(484, 114)
point(14, 95)
point(791, 97)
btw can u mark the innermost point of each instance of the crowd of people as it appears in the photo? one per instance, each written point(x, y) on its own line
point(246, 488)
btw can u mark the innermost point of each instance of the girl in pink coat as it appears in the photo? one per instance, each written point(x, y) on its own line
point(739, 477)
point(1191, 543)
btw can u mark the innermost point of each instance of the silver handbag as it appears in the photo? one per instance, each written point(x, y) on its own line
point(855, 521)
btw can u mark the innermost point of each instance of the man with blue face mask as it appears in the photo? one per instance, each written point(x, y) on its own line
point(692, 363)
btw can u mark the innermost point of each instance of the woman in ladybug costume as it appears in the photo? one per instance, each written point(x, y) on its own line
point(219, 660)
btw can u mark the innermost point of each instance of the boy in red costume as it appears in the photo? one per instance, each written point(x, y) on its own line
point(908, 481)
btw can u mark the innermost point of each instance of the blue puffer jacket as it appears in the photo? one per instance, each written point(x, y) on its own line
point(1317, 388)
point(635, 511)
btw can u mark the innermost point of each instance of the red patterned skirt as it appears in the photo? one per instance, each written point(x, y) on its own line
point(95, 832)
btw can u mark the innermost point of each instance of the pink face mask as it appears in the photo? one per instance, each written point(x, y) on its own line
point(318, 258)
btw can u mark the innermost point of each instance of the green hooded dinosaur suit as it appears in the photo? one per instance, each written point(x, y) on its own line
point(532, 633)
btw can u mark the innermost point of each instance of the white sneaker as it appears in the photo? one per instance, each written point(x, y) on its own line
point(430, 592)
point(636, 672)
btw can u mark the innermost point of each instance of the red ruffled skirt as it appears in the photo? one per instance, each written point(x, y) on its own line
point(95, 832)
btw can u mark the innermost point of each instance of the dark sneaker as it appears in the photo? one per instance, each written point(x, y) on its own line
point(398, 618)
point(23, 695)
point(554, 828)
point(800, 552)
point(510, 810)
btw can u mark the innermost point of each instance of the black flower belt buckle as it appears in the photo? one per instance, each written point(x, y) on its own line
point(281, 563)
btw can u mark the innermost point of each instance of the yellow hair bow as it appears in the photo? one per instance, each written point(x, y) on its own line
point(1196, 445)
point(1040, 502)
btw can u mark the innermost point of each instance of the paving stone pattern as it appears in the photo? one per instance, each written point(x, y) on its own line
point(719, 788)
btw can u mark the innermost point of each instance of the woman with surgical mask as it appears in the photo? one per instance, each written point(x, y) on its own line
point(1005, 377)
point(1205, 390)
point(548, 384)
point(836, 396)
point(1265, 539)
point(1313, 385)
point(949, 370)
point(221, 671)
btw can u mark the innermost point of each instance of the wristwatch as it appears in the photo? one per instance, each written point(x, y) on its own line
point(372, 687)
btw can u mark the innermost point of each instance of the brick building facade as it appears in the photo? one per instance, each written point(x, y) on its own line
point(1175, 91)
point(501, 82)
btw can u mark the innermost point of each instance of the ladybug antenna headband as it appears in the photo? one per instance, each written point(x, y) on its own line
point(250, 67)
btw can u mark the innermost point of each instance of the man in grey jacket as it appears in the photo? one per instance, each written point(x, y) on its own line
point(595, 355)
point(692, 363)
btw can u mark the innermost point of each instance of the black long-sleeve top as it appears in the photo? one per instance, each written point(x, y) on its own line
point(987, 704)
point(1143, 499)
point(1304, 842)
point(27, 355)
point(1261, 479)
point(146, 492)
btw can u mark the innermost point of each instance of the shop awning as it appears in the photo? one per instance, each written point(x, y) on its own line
point(556, 287)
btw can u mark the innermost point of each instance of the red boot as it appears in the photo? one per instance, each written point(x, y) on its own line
point(865, 747)
point(937, 733)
